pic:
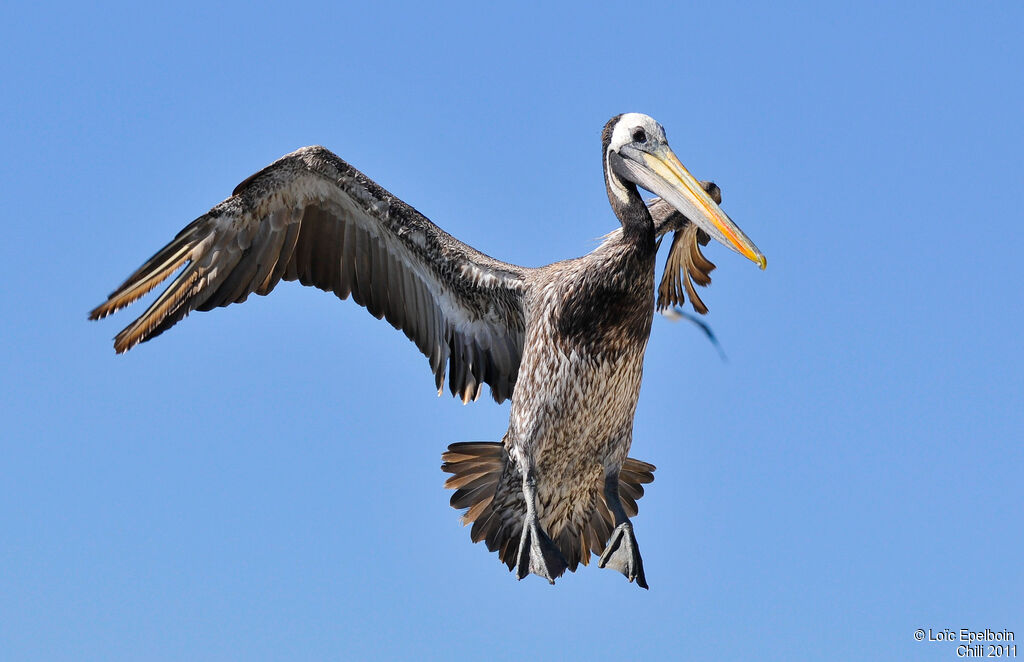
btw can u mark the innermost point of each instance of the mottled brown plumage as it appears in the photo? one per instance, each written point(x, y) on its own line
point(565, 341)
point(478, 469)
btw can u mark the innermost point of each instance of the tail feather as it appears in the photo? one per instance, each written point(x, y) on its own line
point(629, 505)
point(508, 555)
point(469, 480)
point(598, 531)
point(636, 472)
point(571, 544)
point(479, 452)
point(467, 498)
point(483, 526)
point(475, 510)
point(488, 486)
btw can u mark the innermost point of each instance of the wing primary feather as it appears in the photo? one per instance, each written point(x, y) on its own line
point(273, 258)
point(701, 267)
point(165, 305)
point(395, 311)
point(456, 367)
point(443, 350)
point(239, 282)
point(379, 284)
point(413, 326)
point(323, 246)
point(332, 241)
point(695, 300)
point(312, 217)
point(152, 273)
point(433, 333)
point(216, 268)
point(305, 246)
point(291, 267)
point(361, 290)
point(346, 277)
point(685, 266)
point(287, 249)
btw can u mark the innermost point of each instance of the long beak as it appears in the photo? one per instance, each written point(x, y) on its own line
point(661, 173)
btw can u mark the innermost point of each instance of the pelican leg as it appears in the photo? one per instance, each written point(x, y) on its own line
point(621, 553)
point(537, 553)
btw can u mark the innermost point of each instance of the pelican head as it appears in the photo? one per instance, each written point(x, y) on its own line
point(636, 153)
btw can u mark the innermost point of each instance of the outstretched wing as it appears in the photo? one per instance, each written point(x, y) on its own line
point(686, 264)
point(312, 217)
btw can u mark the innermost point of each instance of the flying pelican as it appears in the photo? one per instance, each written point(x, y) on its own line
point(565, 342)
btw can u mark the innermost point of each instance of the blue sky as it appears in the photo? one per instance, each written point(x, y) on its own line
point(262, 482)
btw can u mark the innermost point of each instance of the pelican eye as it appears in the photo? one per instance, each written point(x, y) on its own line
point(639, 135)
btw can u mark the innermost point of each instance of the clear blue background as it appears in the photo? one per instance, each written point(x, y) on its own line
point(263, 483)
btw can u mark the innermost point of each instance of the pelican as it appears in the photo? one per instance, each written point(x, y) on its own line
point(565, 341)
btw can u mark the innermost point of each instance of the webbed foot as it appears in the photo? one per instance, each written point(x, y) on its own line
point(537, 554)
point(622, 554)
